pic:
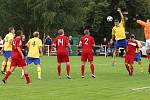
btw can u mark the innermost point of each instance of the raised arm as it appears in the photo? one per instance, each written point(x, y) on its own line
point(113, 35)
point(142, 23)
point(121, 14)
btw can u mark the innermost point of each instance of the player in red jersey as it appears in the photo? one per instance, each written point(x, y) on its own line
point(17, 57)
point(62, 42)
point(87, 42)
point(132, 45)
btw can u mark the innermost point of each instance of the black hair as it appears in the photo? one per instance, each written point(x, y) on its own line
point(116, 20)
point(132, 36)
point(18, 33)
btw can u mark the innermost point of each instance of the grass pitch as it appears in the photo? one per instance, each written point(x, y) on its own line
point(111, 83)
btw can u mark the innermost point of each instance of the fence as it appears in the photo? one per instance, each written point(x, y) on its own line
point(76, 51)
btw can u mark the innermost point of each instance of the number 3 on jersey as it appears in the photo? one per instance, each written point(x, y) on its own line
point(86, 41)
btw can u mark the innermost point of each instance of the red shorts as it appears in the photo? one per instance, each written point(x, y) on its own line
point(129, 59)
point(62, 58)
point(18, 62)
point(87, 56)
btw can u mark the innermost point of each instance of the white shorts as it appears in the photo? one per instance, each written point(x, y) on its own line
point(147, 44)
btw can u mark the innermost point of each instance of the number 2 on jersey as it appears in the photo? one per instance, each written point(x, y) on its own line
point(86, 41)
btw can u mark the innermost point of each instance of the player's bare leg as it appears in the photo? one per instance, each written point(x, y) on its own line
point(39, 71)
point(131, 69)
point(116, 52)
point(140, 65)
point(128, 68)
point(82, 69)
point(22, 74)
point(26, 75)
point(59, 70)
point(68, 70)
point(92, 69)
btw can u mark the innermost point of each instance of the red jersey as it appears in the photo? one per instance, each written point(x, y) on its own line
point(87, 43)
point(61, 43)
point(131, 47)
point(17, 42)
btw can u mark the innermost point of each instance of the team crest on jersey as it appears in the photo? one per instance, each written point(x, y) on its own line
point(133, 44)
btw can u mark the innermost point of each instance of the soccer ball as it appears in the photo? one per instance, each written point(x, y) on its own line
point(109, 18)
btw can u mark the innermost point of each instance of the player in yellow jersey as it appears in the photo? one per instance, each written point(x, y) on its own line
point(8, 50)
point(118, 34)
point(137, 56)
point(35, 51)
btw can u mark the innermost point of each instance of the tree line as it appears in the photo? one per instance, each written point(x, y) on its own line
point(47, 16)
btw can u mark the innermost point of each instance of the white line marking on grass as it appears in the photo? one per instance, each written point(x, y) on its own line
point(142, 88)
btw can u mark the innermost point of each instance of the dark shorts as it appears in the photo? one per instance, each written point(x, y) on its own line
point(120, 43)
point(36, 61)
point(137, 57)
point(7, 54)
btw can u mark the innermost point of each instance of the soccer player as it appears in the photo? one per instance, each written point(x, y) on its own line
point(7, 50)
point(132, 45)
point(61, 43)
point(87, 42)
point(118, 34)
point(35, 50)
point(137, 57)
point(146, 26)
point(17, 57)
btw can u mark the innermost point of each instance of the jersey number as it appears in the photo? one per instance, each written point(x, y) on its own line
point(33, 43)
point(86, 41)
point(60, 42)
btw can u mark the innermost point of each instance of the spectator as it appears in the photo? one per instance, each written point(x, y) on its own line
point(48, 40)
point(105, 42)
point(110, 49)
point(70, 40)
point(24, 47)
point(104, 45)
point(1, 43)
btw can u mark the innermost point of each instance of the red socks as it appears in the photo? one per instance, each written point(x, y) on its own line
point(68, 69)
point(7, 75)
point(27, 78)
point(59, 70)
point(92, 69)
point(82, 70)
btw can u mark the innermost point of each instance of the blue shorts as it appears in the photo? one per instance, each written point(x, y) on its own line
point(36, 61)
point(137, 57)
point(7, 54)
point(120, 43)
